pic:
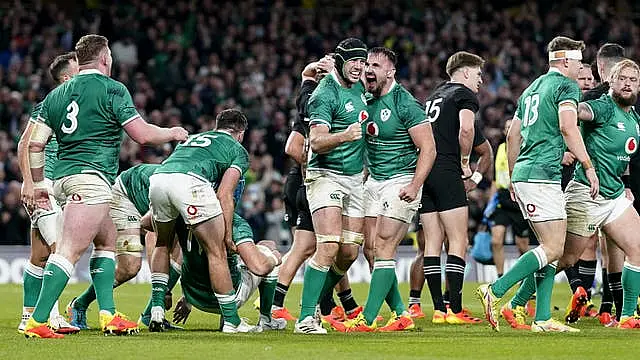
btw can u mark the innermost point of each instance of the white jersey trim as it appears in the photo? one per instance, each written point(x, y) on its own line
point(131, 119)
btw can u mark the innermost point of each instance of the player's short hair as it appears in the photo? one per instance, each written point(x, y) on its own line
point(61, 64)
point(611, 51)
point(463, 59)
point(386, 52)
point(231, 119)
point(565, 43)
point(621, 65)
point(89, 47)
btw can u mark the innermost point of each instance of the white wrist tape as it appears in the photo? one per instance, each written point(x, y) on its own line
point(40, 185)
point(476, 177)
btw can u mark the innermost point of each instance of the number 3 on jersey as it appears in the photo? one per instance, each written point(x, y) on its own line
point(72, 113)
point(530, 116)
point(432, 109)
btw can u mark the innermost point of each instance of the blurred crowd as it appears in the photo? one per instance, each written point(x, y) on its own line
point(184, 61)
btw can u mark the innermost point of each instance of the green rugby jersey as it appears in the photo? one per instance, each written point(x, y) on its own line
point(207, 156)
point(542, 143)
point(337, 107)
point(135, 182)
point(611, 138)
point(87, 114)
point(390, 149)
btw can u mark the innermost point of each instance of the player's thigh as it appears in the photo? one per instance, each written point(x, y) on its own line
point(390, 204)
point(369, 233)
point(574, 246)
point(455, 223)
point(624, 232)
point(433, 233)
point(325, 196)
point(126, 219)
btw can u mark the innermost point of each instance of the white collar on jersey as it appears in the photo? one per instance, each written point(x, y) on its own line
point(89, 71)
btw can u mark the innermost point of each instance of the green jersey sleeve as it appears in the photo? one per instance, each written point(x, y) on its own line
point(601, 109)
point(122, 104)
point(321, 107)
point(42, 115)
point(241, 232)
point(411, 111)
point(568, 91)
point(241, 161)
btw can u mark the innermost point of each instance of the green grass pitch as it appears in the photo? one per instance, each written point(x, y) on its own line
point(203, 340)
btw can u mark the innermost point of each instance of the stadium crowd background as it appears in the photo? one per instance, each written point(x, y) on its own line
point(184, 61)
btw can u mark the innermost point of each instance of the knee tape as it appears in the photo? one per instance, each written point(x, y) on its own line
point(47, 224)
point(129, 245)
point(328, 239)
point(351, 237)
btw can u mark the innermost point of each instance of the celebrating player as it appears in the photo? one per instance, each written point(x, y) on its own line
point(87, 115)
point(395, 131)
point(334, 178)
point(546, 113)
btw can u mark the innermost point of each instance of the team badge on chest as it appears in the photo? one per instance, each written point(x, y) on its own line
point(630, 146)
point(385, 114)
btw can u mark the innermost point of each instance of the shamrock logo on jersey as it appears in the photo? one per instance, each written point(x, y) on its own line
point(385, 114)
point(630, 146)
point(364, 115)
point(364, 98)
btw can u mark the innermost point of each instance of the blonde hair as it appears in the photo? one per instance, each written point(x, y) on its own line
point(621, 65)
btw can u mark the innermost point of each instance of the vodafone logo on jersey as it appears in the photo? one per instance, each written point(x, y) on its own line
point(631, 145)
point(364, 115)
point(372, 129)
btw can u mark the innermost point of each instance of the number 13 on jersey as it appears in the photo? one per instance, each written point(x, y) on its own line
point(530, 115)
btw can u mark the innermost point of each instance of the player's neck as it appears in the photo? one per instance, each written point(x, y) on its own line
point(387, 87)
point(553, 69)
point(461, 81)
point(93, 66)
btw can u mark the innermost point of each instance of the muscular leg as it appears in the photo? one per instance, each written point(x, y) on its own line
point(623, 231)
point(81, 225)
point(434, 236)
point(551, 235)
point(328, 225)
point(389, 233)
point(304, 245)
point(614, 268)
point(455, 223)
point(211, 238)
point(32, 275)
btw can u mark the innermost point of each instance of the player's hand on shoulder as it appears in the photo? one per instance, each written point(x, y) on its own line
point(182, 311)
point(179, 134)
point(353, 132)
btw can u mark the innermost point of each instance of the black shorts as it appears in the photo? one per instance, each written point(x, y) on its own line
point(290, 193)
point(567, 174)
point(443, 190)
point(506, 217)
point(304, 220)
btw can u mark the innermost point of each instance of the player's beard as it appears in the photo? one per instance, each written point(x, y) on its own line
point(622, 101)
point(380, 84)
